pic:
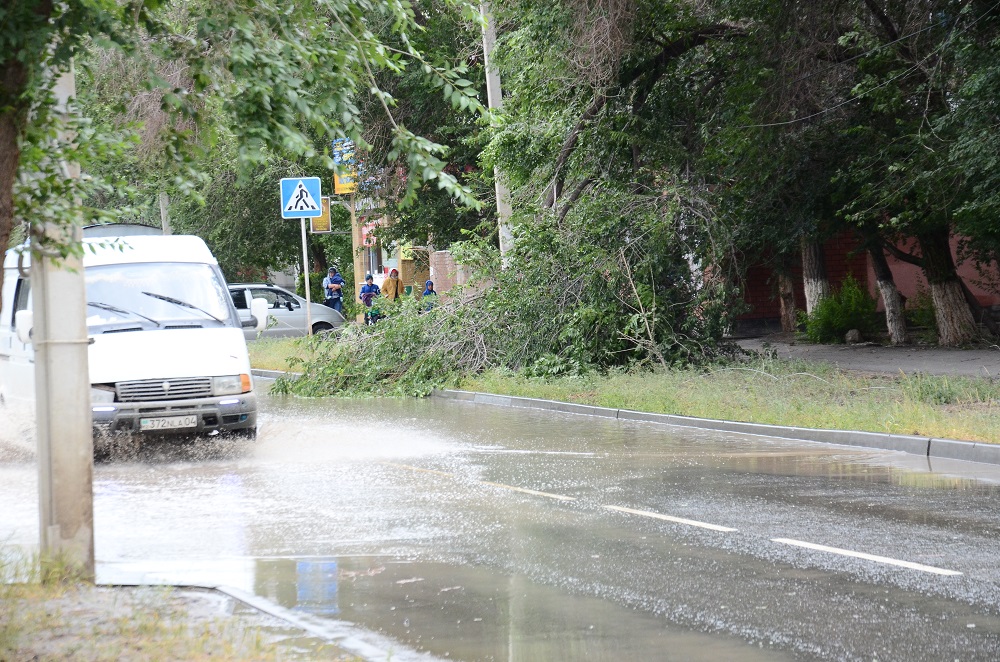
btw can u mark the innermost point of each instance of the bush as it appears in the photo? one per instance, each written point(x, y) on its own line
point(315, 289)
point(851, 307)
point(407, 353)
point(569, 299)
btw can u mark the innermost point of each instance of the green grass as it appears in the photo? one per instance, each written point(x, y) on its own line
point(274, 353)
point(764, 390)
point(783, 393)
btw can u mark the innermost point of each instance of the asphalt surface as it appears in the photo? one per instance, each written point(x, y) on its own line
point(435, 529)
point(868, 357)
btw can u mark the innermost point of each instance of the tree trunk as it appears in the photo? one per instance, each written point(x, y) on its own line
point(980, 314)
point(13, 78)
point(895, 320)
point(318, 257)
point(786, 294)
point(955, 323)
point(814, 280)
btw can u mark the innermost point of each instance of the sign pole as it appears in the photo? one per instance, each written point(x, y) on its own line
point(301, 198)
point(305, 280)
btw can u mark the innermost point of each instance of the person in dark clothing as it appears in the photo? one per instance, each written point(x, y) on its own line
point(367, 295)
point(429, 292)
point(333, 290)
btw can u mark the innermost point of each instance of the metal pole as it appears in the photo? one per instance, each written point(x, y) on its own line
point(62, 394)
point(305, 281)
point(495, 100)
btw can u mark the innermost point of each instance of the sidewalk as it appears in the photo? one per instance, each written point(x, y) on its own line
point(866, 357)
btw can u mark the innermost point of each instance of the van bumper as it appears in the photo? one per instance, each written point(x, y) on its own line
point(213, 415)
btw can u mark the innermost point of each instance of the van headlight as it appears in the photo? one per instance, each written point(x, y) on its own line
point(227, 385)
point(232, 384)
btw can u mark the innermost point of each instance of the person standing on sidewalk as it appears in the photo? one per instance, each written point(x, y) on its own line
point(367, 295)
point(392, 288)
point(333, 290)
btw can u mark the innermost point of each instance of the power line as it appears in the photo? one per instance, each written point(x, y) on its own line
point(891, 80)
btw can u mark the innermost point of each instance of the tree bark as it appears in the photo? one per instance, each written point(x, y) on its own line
point(13, 78)
point(956, 325)
point(318, 258)
point(895, 319)
point(786, 294)
point(980, 314)
point(814, 279)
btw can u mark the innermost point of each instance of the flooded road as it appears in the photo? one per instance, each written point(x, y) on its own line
point(470, 532)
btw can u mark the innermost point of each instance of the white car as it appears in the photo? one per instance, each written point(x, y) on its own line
point(286, 311)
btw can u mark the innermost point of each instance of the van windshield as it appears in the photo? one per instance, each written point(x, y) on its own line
point(156, 295)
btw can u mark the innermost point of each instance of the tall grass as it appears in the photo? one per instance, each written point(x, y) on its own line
point(760, 390)
point(275, 353)
point(783, 393)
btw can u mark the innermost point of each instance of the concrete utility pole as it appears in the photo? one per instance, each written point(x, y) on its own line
point(62, 393)
point(165, 212)
point(357, 243)
point(495, 101)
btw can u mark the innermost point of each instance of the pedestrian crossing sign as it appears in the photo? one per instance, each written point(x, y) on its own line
point(300, 197)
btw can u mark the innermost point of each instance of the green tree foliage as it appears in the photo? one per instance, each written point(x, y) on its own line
point(446, 36)
point(273, 78)
point(566, 303)
point(598, 138)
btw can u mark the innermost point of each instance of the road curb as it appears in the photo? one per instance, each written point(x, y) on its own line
point(271, 374)
point(952, 449)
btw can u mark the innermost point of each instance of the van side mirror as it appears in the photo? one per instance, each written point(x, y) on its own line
point(24, 321)
point(258, 308)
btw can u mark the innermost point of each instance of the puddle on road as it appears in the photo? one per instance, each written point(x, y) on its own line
point(383, 607)
point(470, 613)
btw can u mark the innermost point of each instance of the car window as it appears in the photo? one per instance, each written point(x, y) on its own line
point(239, 298)
point(21, 297)
point(263, 293)
point(286, 297)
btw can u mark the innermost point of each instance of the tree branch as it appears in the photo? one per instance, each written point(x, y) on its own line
point(574, 196)
point(569, 146)
point(903, 256)
point(653, 68)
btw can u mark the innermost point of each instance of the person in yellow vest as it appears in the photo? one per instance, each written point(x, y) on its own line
point(392, 289)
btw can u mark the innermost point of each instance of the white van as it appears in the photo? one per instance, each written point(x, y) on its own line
point(166, 354)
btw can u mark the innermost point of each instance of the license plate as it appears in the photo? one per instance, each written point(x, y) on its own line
point(168, 422)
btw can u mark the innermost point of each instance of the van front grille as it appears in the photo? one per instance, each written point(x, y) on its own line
point(164, 389)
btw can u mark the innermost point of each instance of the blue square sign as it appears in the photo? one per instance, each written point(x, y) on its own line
point(300, 197)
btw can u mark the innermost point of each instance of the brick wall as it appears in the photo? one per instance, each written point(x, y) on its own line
point(446, 273)
point(760, 289)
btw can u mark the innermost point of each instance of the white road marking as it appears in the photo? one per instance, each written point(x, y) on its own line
point(869, 557)
point(525, 490)
point(668, 518)
point(517, 451)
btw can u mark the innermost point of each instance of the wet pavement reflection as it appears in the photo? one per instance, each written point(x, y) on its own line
point(480, 533)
